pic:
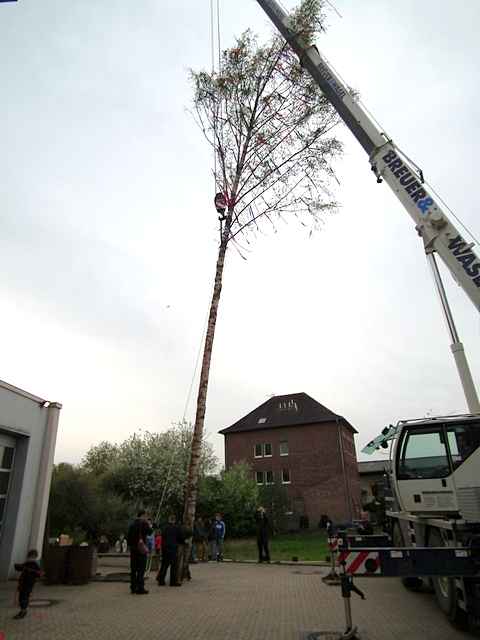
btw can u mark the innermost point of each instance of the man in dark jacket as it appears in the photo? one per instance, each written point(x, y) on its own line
point(171, 538)
point(137, 541)
point(263, 533)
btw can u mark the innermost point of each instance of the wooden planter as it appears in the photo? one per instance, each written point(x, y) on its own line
point(81, 564)
point(55, 564)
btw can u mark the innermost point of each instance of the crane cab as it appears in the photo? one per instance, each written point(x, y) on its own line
point(436, 467)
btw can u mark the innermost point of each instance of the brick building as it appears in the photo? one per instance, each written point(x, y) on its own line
point(294, 440)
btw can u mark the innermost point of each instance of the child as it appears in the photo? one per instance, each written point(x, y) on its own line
point(30, 571)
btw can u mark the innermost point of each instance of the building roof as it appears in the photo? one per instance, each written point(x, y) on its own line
point(375, 466)
point(294, 409)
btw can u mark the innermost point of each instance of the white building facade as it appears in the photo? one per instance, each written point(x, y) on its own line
point(28, 433)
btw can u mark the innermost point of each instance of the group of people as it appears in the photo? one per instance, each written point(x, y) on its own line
point(142, 541)
point(207, 544)
point(208, 538)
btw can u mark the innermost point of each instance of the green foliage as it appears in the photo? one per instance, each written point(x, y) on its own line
point(209, 496)
point(235, 495)
point(80, 506)
point(100, 458)
point(309, 19)
point(305, 546)
point(149, 468)
point(274, 498)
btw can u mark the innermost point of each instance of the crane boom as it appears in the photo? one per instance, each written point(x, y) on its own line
point(387, 162)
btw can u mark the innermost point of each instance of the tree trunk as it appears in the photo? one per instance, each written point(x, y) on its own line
point(196, 451)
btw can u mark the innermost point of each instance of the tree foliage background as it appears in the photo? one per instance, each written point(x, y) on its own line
point(102, 494)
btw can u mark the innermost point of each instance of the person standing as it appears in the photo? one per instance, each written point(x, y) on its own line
point(171, 538)
point(150, 547)
point(202, 544)
point(138, 533)
point(219, 527)
point(263, 533)
point(158, 543)
point(30, 571)
point(198, 551)
point(210, 526)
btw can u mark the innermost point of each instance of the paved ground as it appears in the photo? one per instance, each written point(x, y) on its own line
point(227, 602)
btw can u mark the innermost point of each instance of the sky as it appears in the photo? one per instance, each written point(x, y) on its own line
point(108, 232)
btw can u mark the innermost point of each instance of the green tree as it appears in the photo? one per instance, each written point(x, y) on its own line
point(78, 502)
point(238, 500)
point(271, 131)
point(149, 469)
point(274, 498)
point(100, 458)
point(209, 496)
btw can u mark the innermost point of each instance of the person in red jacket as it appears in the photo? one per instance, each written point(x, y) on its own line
point(158, 543)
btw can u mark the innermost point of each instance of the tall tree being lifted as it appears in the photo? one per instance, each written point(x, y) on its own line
point(271, 130)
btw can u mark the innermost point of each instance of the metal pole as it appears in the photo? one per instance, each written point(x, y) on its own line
point(348, 613)
point(348, 498)
point(456, 346)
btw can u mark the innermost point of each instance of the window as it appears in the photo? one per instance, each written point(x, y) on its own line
point(6, 457)
point(259, 476)
point(270, 479)
point(285, 476)
point(4, 478)
point(284, 448)
point(267, 450)
point(423, 455)
point(262, 420)
point(288, 405)
point(258, 451)
point(463, 439)
point(6, 464)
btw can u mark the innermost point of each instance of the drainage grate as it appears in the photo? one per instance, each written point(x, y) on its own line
point(40, 603)
point(309, 573)
point(115, 577)
point(329, 635)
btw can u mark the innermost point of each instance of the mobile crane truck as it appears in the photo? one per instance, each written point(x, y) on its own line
point(435, 463)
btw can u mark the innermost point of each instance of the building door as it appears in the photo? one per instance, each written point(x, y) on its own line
point(7, 452)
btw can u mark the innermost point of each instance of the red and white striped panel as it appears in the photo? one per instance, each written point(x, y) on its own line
point(360, 562)
point(333, 544)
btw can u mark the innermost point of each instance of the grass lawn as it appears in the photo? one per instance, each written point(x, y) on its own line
point(306, 546)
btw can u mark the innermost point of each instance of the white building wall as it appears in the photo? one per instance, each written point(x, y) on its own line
point(33, 422)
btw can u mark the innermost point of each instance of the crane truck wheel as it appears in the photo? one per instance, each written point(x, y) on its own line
point(411, 583)
point(445, 589)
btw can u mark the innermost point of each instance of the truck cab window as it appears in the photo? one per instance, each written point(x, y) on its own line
point(463, 440)
point(423, 455)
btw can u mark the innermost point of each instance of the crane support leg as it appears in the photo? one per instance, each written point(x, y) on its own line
point(456, 346)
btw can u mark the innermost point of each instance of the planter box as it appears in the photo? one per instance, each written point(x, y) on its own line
point(81, 563)
point(55, 565)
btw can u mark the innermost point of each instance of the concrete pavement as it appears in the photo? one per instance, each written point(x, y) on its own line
point(227, 601)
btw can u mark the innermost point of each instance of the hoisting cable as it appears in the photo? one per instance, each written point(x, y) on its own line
point(216, 58)
point(185, 409)
point(212, 48)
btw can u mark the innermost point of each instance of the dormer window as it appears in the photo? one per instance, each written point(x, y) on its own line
point(288, 405)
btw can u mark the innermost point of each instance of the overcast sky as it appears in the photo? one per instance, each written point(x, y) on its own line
point(108, 234)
